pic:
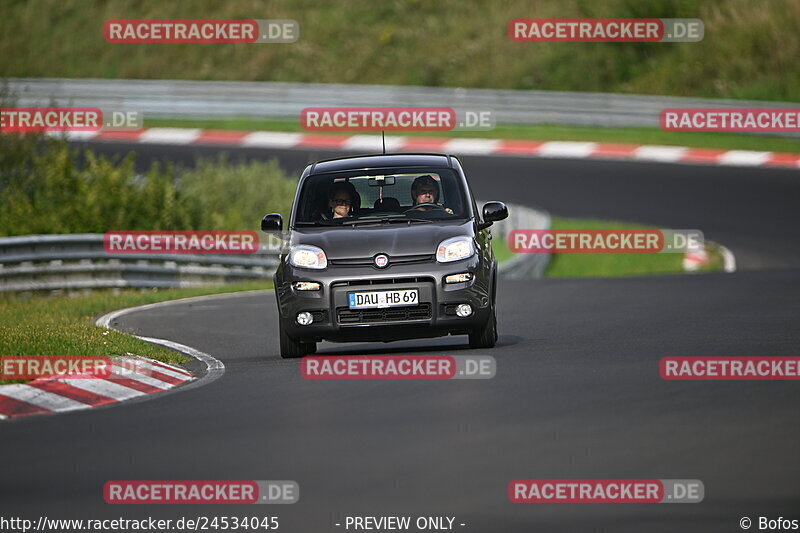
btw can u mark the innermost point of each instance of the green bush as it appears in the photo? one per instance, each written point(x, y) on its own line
point(47, 187)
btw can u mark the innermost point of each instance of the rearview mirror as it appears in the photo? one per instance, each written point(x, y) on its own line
point(380, 181)
point(272, 222)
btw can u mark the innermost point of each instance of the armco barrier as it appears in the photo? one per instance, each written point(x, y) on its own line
point(258, 100)
point(522, 266)
point(79, 261)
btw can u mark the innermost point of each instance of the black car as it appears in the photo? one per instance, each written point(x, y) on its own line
point(383, 248)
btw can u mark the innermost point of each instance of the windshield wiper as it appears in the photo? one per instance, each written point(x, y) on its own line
point(386, 220)
point(317, 223)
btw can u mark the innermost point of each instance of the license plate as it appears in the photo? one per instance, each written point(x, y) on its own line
point(378, 299)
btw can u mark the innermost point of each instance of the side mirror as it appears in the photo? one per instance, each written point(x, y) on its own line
point(492, 212)
point(272, 222)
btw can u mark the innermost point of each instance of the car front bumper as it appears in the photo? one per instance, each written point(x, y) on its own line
point(433, 316)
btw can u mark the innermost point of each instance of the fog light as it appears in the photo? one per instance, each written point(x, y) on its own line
point(306, 286)
point(464, 310)
point(458, 278)
point(305, 318)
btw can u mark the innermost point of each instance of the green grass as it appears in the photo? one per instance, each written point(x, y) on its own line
point(541, 132)
point(750, 48)
point(64, 324)
point(615, 265)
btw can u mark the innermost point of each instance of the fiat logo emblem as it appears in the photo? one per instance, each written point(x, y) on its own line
point(381, 260)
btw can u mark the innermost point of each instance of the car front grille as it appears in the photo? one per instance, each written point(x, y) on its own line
point(381, 281)
point(393, 260)
point(388, 314)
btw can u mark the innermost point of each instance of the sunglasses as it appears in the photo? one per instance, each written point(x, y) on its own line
point(342, 201)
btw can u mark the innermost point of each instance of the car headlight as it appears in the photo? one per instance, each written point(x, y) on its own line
point(308, 257)
point(455, 249)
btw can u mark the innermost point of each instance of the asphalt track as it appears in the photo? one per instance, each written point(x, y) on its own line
point(577, 392)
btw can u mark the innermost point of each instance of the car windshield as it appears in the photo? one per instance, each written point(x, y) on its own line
point(381, 196)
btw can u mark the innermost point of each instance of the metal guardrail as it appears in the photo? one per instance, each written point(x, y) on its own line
point(79, 261)
point(222, 99)
point(524, 265)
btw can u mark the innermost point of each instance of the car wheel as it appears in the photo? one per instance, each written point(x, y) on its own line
point(292, 349)
point(486, 336)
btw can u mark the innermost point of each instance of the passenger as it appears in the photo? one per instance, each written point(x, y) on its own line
point(341, 197)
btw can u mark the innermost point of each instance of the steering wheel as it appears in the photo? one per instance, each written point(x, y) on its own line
point(427, 204)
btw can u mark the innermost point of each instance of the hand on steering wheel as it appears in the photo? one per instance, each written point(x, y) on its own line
point(426, 204)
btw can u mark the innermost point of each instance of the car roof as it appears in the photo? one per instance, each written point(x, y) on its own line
point(364, 162)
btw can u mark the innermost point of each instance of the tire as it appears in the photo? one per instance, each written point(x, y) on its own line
point(486, 336)
point(292, 349)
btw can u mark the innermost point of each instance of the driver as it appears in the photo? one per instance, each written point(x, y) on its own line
point(425, 190)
